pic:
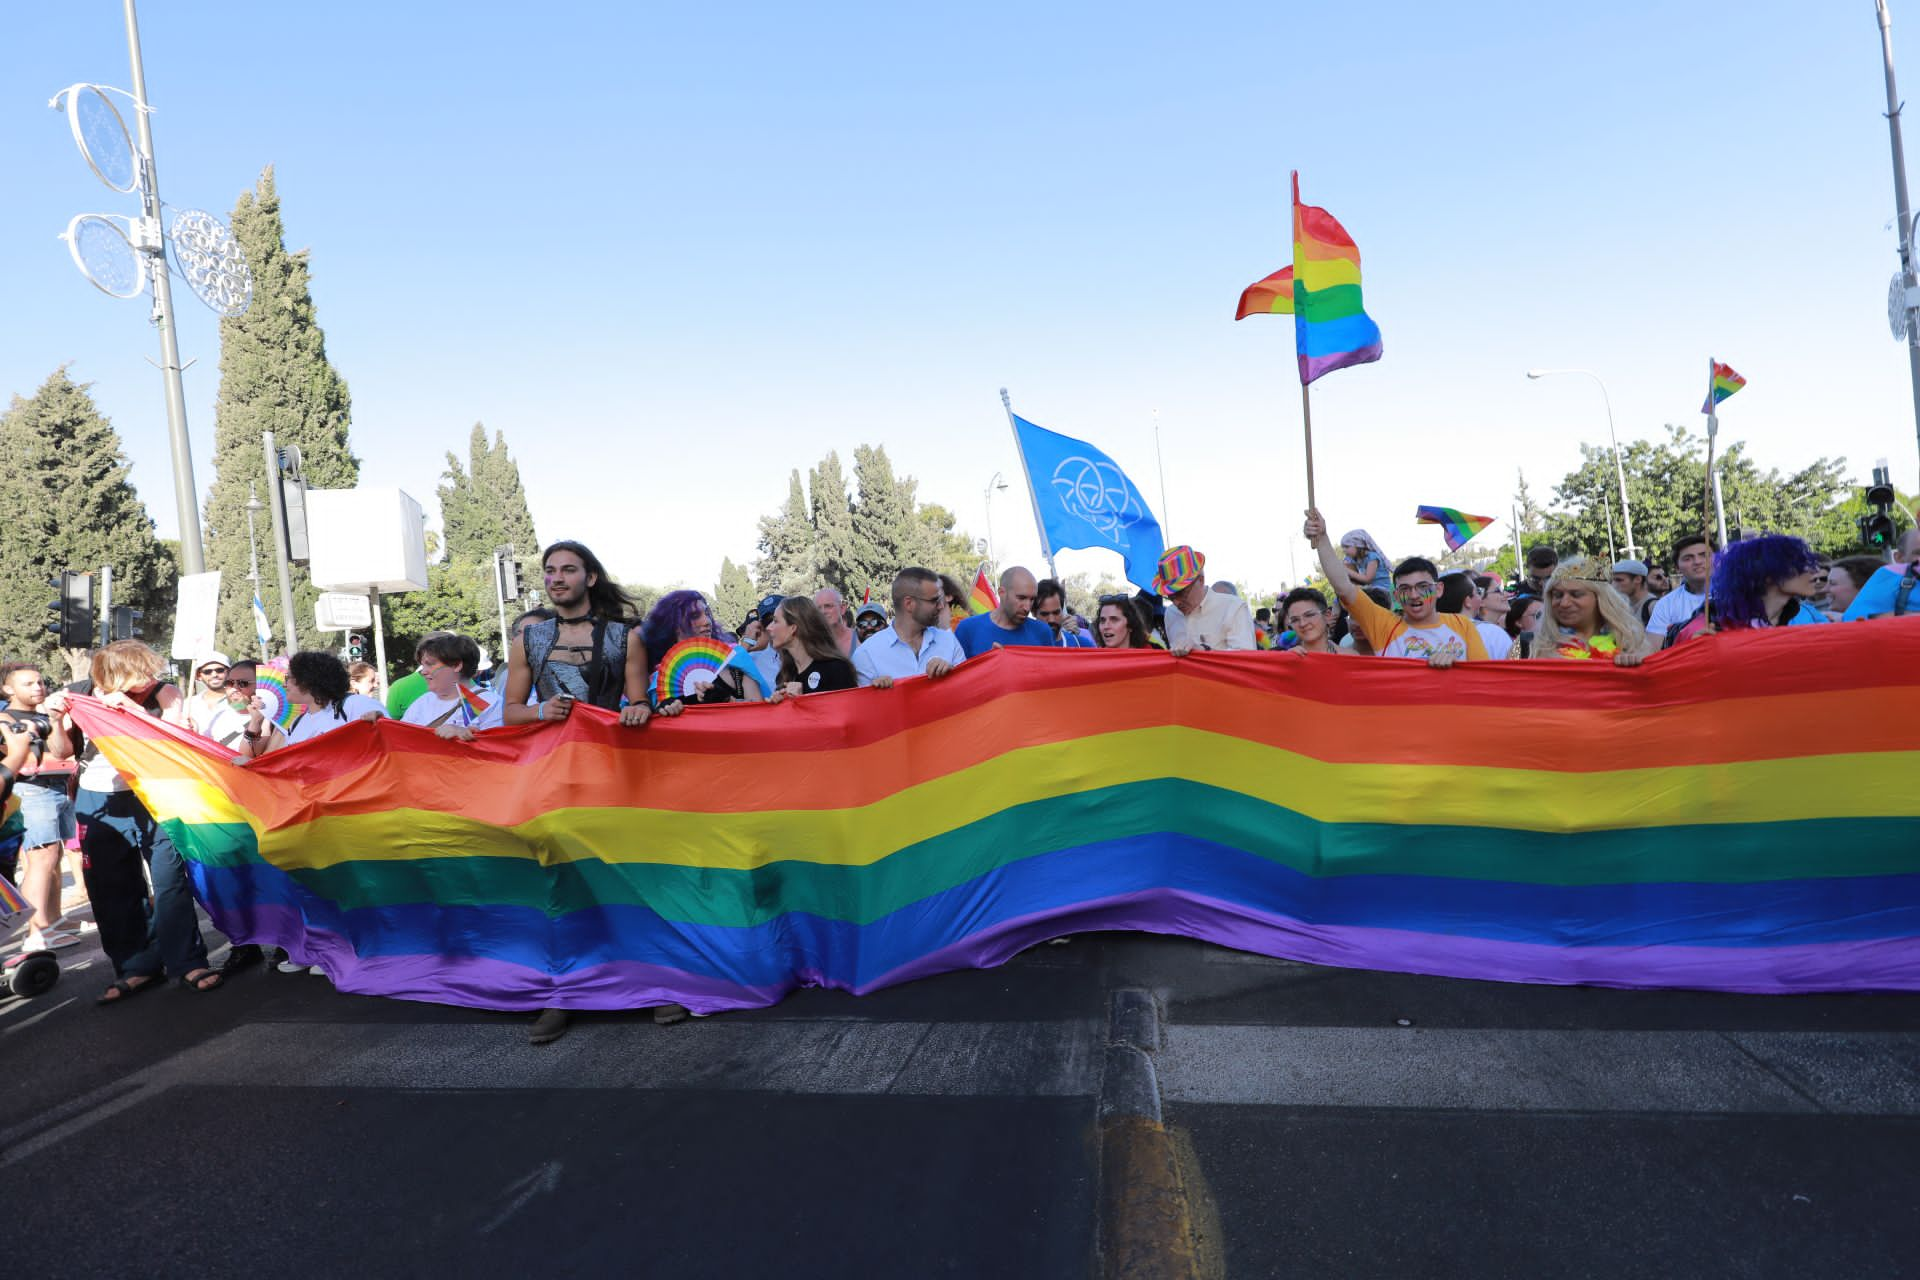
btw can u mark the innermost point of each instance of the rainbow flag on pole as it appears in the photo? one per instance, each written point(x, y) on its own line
point(1725, 383)
point(1456, 526)
point(1270, 297)
point(1645, 827)
point(984, 599)
point(1331, 328)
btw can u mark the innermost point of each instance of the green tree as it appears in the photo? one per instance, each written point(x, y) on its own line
point(1666, 483)
point(787, 561)
point(482, 507)
point(887, 530)
point(946, 549)
point(70, 505)
point(834, 555)
point(274, 376)
point(733, 595)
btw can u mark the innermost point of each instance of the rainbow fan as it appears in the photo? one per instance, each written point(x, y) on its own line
point(690, 667)
point(270, 683)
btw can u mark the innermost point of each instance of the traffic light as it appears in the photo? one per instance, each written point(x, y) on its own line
point(73, 610)
point(506, 574)
point(1877, 528)
point(126, 622)
point(356, 647)
point(293, 502)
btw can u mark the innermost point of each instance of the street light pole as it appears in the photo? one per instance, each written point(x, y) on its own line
point(1900, 205)
point(254, 507)
point(1619, 469)
point(193, 558)
point(995, 483)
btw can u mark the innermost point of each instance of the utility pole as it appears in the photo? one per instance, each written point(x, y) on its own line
point(279, 507)
point(1909, 303)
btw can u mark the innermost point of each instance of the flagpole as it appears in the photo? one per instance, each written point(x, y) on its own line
point(1161, 463)
point(1519, 556)
point(1706, 492)
point(1306, 419)
point(1046, 547)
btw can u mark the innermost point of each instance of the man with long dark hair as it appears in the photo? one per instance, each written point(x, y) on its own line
point(589, 651)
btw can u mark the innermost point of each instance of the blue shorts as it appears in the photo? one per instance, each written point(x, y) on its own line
point(47, 812)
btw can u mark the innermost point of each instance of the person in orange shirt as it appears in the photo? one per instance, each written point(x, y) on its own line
point(1420, 630)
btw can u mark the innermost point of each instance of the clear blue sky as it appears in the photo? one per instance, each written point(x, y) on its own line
point(674, 253)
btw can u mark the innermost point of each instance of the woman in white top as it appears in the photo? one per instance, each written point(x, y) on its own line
point(125, 848)
point(317, 687)
point(450, 707)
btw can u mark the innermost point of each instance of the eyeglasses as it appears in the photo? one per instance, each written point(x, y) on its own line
point(241, 683)
point(212, 671)
point(934, 600)
point(1418, 591)
point(1116, 599)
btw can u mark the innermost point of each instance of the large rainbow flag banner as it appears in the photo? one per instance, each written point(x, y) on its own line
point(1737, 814)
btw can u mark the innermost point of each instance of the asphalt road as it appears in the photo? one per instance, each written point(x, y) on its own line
point(1318, 1121)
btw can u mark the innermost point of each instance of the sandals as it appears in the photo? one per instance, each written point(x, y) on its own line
point(203, 980)
point(122, 990)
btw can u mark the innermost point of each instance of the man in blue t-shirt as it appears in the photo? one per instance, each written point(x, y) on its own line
point(1011, 622)
point(1895, 588)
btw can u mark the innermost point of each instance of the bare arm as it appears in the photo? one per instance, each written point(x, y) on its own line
point(638, 710)
point(1331, 564)
point(519, 686)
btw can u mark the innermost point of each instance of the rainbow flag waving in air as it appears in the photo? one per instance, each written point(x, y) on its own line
point(1725, 383)
point(1331, 329)
point(1272, 296)
point(1456, 526)
point(983, 599)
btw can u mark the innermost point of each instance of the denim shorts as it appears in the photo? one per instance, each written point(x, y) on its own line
point(47, 812)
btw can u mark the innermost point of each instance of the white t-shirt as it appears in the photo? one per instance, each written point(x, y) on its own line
point(1674, 608)
point(1499, 643)
point(1221, 622)
point(428, 708)
point(312, 724)
point(201, 714)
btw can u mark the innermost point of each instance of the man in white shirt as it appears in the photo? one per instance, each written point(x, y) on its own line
point(210, 699)
point(1693, 559)
point(1199, 619)
point(912, 646)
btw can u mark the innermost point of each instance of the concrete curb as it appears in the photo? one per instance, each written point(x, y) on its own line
point(1146, 1219)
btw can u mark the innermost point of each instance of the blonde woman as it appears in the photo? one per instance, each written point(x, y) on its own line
point(125, 847)
point(1586, 619)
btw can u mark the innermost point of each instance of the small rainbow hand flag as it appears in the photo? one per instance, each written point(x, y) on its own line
point(1456, 526)
point(470, 699)
point(1725, 383)
point(983, 599)
point(1270, 297)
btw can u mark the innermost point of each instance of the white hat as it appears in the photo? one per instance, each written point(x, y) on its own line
point(206, 658)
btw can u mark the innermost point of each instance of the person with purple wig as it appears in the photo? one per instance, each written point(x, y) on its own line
point(685, 615)
point(1766, 581)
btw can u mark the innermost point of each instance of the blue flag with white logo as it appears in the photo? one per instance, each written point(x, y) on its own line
point(1083, 499)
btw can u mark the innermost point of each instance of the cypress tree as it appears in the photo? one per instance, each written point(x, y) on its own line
point(274, 376)
point(887, 533)
point(833, 538)
point(786, 561)
point(70, 505)
point(733, 595)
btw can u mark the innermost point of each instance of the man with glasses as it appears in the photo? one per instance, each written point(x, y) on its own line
point(1201, 618)
point(914, 645)
point(210, 697)
point(869, 620)
point(1421, 630)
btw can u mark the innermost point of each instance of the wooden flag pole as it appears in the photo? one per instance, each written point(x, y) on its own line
point(1713, 429)
point(1306, 418)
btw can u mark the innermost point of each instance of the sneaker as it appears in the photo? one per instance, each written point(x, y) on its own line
point(288, 966)
point(50, 940)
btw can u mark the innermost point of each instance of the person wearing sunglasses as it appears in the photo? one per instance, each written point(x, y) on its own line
point(207, 701)
point(1421, 630)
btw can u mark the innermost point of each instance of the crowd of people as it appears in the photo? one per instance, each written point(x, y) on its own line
point(591, 644)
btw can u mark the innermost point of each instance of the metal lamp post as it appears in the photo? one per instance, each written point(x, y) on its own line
point(1000, 484)
point(1620, 471)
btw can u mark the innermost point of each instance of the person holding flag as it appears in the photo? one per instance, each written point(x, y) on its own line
point(451, 706)
point(1420, 630)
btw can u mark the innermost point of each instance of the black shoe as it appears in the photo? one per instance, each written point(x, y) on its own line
point(549, 1026)
point(242, 956)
